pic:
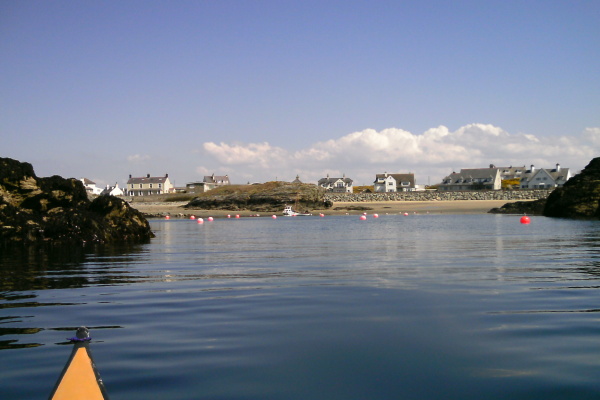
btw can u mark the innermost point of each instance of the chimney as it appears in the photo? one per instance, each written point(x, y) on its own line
point(166, 175)
point(147, 175)
point(532, 168)
point(129, 176)
point(557, 167)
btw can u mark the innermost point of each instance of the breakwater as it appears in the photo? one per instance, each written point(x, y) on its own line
point(439, 196)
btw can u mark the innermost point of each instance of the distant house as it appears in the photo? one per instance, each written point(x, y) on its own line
point(394, 183)
point(149, 185)
point(510, 173)
point(336, 185)
point(213, 181)
point(472, 179)
point(90, 187)
point(112, 190)
point(197, 187)
point(540, 178)
point(297, 180)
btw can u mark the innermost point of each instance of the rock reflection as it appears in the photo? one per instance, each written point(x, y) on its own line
point(24, 269)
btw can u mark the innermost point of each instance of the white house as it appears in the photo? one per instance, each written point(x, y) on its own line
point(337, 185)
point(541, 178)
point(112, 190)
point(394, 182)
point(213, 181)
point(472, 179)
point(149, 185)
point(90, 187)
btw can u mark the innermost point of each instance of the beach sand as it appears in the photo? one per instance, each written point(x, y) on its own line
point(175, 209)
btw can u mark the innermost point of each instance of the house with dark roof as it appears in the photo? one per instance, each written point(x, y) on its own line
point(90, 186)
point(213, 181)
point(149, 185)
point(394, 183)
point(112, 190)
point(472, 179)
point(336, 185)
point(542, 178)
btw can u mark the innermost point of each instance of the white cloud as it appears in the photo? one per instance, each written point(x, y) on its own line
point(138, 158)
point(434, 153)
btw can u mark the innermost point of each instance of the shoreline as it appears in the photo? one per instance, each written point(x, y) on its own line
point(176, 210)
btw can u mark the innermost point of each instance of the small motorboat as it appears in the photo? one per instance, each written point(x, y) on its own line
point(289, 212)
point(80, 379)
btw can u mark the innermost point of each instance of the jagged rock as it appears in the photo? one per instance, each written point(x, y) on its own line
point(267, 197)
point(57, 210)
point(535, 207)
point(579, 197)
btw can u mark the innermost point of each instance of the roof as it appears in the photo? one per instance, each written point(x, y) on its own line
point(397, 177)
point(148, 179)
point(86, 181)
point(330, 181)
point(474, 173)
point(215, 178)
point(559, 174)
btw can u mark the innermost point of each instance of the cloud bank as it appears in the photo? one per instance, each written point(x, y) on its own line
point(430, 155)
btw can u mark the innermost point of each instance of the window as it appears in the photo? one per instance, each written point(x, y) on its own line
point(405, 183)
point(160, 185)
point(150, 186)
point(132, 185)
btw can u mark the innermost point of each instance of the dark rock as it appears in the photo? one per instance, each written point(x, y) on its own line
point(535, 207)
point(579, 197)
point(57, 210)
point(268, 197)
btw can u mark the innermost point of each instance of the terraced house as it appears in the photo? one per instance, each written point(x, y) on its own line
point(149, 185)
point(473, 179)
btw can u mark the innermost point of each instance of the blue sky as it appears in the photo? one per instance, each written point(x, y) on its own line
point(262, 90)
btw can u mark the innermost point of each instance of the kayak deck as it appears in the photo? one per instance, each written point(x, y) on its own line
point(79, 379)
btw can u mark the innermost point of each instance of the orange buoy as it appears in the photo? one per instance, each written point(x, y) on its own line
point(274, 216)
point(375, 215)
point(406, 214)
point(211, 219)
point(167, 217)
point(192, 217)
point(363, 217)
point(237, 215)
point(321, 215)
point(525, 219)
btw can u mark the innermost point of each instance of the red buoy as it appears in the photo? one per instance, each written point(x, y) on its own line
point(525, 219)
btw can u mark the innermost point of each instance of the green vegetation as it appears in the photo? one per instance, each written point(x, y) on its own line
point(363, 189)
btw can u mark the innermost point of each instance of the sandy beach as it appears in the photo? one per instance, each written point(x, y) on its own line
point(176, 209)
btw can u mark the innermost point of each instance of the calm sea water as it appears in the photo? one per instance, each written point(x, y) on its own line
point(417, 307)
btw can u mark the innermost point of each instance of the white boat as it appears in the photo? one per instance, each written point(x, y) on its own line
point(289, 212)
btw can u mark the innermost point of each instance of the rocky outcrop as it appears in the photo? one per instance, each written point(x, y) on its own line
point(579, 197)
point(57, 210)
point(267, 197)
point(535, 207)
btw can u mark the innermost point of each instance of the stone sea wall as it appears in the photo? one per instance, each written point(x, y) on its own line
point(440, 196)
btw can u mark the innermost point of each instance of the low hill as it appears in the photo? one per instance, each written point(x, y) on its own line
point(266, 197)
